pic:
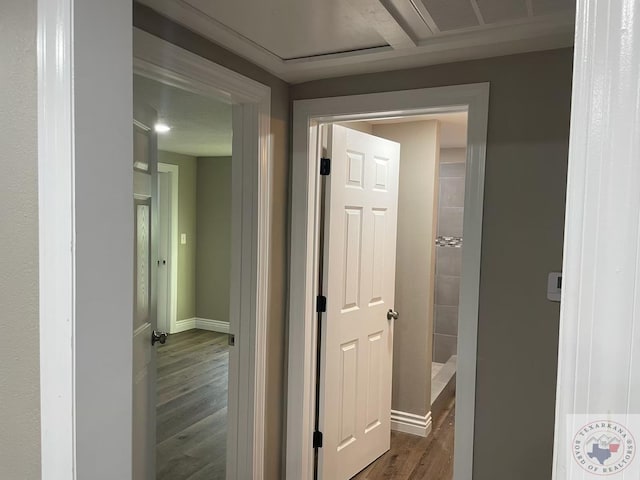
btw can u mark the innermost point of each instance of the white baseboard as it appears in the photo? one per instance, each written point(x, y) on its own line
point(201, 323)
point(212, 325)
point(411, 423)
point(184, 325)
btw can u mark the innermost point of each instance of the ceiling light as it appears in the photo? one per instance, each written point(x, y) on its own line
point(162, 128)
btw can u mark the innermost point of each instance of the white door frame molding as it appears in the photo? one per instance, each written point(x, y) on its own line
point(86, 236)
point(251, 220)
point(251, 223)
point(172, 300)
point(598, 369)
point(308, 114)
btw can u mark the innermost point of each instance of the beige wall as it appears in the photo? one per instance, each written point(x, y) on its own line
point(521, 242)
point(186, 224)
point(19, 357)
point(415, 262)
point(213, 265)
point(364, 127)
point(155, 24)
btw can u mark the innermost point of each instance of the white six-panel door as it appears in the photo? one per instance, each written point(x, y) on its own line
point(144, 299)
point(359, 282)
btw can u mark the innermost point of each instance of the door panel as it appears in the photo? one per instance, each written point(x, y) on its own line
point(145, 311)
point(359, 282)
point(142, 259)
point(374, 400)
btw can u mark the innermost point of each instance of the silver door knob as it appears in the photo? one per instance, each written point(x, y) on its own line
point(392, 314)
point(157, 336)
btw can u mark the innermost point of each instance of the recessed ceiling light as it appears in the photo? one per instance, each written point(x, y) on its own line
point(162, 128)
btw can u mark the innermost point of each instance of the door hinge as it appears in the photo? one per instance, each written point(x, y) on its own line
point(325, 166)
point(317, 439)
point(321, 303)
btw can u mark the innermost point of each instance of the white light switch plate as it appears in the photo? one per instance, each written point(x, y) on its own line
point(183, 238)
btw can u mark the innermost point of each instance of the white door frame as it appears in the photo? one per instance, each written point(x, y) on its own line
point(86, 232)
point(307, 114)
point(599, 347)
point(251, 189)
point(172, 300)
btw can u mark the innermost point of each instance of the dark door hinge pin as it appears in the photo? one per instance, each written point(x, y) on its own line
point(321, 304)
point(325, 166)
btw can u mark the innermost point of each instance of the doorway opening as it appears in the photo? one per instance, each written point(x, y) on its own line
point(193, 268)
point(394, 215)
point(427, 285)
point(199, 384)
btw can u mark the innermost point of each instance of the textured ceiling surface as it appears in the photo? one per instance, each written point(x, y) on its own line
point(300, 40)
point(200, 126)
point(317, 27)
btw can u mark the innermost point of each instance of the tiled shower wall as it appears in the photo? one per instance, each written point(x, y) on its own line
point(448, 252)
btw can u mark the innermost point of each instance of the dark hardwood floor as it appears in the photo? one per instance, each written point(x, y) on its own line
point(191, 414)
point(192, 420)
point(417, 458)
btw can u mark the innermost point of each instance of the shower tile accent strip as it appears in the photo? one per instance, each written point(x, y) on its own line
point(442, 241)
point(448, 239)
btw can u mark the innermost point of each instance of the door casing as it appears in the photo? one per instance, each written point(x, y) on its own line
point(308, 115)
point(172, 215)
point(86, 231)
point(251, 221)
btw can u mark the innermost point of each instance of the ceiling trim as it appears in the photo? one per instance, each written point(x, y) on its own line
point(187, 15)
point(425, 15)
point(380, 18)
point(530, 8)
point(154, 58)
point(476, 10)
point(552, 32)
point(539, 33)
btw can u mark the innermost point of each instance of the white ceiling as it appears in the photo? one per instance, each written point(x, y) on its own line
point(200, 126)
point(283, 27)
point(300, 40)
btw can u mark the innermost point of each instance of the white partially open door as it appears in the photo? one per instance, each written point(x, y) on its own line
point(144, 298)
point(359, 282)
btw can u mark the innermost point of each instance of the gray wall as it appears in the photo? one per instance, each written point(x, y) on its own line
point(150, 21)
point(449, 257)
point(521, 242)
point(19, 367)
point(213, 266)
point(186, 224)
point(415, 262)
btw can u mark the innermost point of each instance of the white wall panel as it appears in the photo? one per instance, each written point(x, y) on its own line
point(599, 372)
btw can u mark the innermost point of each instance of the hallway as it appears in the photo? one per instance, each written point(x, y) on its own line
point(417, 458)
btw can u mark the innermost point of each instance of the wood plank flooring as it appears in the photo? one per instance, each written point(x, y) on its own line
point(417, 458)
point(192, 420)
point(191, 414)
